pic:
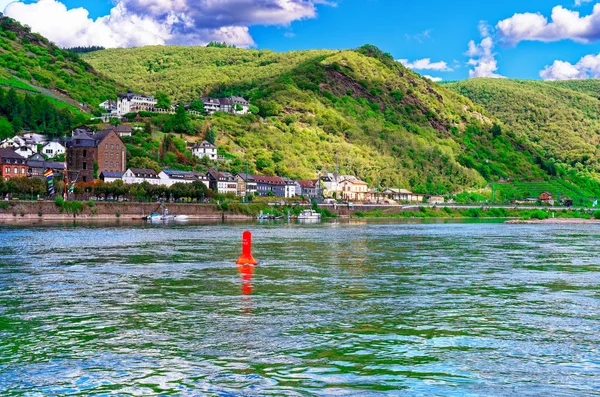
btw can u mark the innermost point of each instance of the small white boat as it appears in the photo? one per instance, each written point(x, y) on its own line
point(181, 218)
point(309, 215)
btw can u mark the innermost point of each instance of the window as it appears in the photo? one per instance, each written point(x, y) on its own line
point(106, 146)
point(84, 166)
point(7, 170)
point(22, 170)
point(106, 163)
point(85, 178)
point(85, 153)
point(117, 146)
point(105, 154)
point(111, 164)
point(16, 170)
point(117, 163)
point(112, 147)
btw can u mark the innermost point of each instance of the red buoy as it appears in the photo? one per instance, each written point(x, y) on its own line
point(246, 258)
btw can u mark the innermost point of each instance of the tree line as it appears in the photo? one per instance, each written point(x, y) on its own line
point(31, 112)
point(84, 50)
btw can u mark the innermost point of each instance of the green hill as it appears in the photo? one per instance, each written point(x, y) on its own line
point(558, 120)
point(358, 109)
point(32, 64)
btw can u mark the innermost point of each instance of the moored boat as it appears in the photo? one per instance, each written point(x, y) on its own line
point(309, 215)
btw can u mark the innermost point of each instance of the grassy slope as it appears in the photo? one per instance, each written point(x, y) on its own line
point(187, 73)
point(383, 122)
point(559, 120)
point(29, 61)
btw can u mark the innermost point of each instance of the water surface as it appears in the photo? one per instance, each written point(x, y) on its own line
point(332, 310)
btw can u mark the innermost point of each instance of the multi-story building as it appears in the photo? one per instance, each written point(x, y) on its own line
point(12, 165)
point(233, 104)
point(141, 175)
point(168, 177)
point(130, 102)
point(246, 184)
point(222, 182)
point(353, 188)
point(211, 105)
point(86, 149)
point(38, 165)
point(273, 184)
point(205, 149)
point(309, 189)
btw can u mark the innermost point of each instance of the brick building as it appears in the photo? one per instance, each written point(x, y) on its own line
point(12, 165)
point(103, 148)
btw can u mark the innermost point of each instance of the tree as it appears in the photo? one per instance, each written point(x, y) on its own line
point(211, 136)
point(114, 121)
point(143, 162)
point(6, 129)
point(254, 109)
point(181, 122)
point(148, 128)
point(197, 106)
point(163, 101)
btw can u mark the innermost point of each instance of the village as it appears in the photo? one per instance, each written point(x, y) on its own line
point(101, 155)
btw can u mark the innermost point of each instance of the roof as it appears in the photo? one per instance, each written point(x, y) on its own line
point(120, 129)
point(247, 177)
point(225, 101)
point(239, 99)
point(204, 144)
point(9, 154)
point(269, 180)
point(111, 174)
point(212, 101)
point(146, 172)
point(55, 165)
point(352, 179)
point(308, 183)
point(85, 140)
point(51, 142)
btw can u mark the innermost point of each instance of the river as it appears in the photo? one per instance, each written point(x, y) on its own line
point(332, 310)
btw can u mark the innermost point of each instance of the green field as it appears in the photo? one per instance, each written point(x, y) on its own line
point(559, 189)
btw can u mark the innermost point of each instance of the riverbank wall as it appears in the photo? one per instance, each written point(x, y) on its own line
point(50, 210)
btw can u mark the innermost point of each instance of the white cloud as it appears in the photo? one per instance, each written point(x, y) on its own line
point(145, 22)
point(563, 25)
point(587, 67)
point(434, 79)
point(426, 64)
point(482, 57)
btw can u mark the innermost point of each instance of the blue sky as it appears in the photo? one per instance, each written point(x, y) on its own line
point(520, 47)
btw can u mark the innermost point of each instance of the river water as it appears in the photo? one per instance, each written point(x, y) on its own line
point(332, 310)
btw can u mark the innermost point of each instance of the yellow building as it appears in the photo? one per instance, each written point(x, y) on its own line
point(353, 189)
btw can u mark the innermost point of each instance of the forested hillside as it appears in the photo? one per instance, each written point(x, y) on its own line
point(359, 109)
point(31, 63)
point(558, 120)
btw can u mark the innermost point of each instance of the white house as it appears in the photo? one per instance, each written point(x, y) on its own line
point(233, 104)
point(130, 102)
point(211, 105)
point(53, 149)
point(139, 175)
point(25, 151)
point(168, 177)
point(290, 188)
point(205, 149)
point(241, 103)
point(12, 143)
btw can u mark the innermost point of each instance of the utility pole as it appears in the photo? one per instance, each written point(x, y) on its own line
point(246, 180)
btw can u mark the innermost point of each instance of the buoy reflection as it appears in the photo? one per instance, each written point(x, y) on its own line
point(246, 271)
